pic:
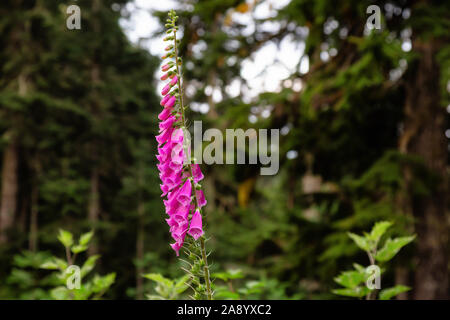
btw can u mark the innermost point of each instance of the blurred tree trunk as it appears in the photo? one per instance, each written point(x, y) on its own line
point(424, 136)
point(33, 235)
point(94, 198)
point(10, 182)
point(32, 245)
point(140, 252)
point(94, 207)
point(140, 238)
point(9, 188)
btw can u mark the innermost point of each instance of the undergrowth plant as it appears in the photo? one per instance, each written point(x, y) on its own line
point(73, 282)
point(366, 281)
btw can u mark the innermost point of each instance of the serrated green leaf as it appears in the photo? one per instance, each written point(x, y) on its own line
point(350, 279)
point(154, 297)
point(360, 241)
point(226, 295)
point(359, 268)
point(229, 275)
point(62, 264)
point(392, 247)
point(49, 265)
point(101, 283)
point(65, 237)
point(357, 292)
point(79, 248)
point(86, 238)
point(159, 279)
point(89, 264)
point(60, 293)
point(389, 293)
point(378, 230)
point(182, 284)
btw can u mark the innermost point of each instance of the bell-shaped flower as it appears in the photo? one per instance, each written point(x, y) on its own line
point(197, 173)
point(165, 99)
point(170, 102)
point(200, 198)
point(196, 229)
point(166, 124)
point(164, 136)
point(184, 195)
point(164, 114)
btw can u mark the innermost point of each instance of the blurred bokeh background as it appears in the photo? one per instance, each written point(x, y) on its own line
point(364, 119)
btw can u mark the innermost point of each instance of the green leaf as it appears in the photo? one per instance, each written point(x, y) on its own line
point(60, 293)
point(360, 241)
point(359, 268)
point(89, 265)
point(159, 279)
point(65, 237)
point(228, 275)
point(182, 284)
point(79, 248)
point(54, 264)
point(378, 230)
point(350, 279)
point(392, 247)
point(225, 294)
point(62, 264)
point(86, 238)
point(154, 297)
point(389, 293)
point(101, 283)
point(357, 292)
point(49, 265)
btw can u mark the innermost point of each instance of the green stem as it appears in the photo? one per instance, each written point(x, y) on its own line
point(206, 269)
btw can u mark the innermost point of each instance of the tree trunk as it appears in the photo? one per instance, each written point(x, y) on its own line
point(94, 207)
point(140, 252)
point(424, 136)
point(9, 189)
point(33, 237)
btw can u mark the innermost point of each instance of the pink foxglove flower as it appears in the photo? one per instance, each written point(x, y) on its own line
point(182, 196)
point(171, 102)
point(165, 99)
point(196, 230)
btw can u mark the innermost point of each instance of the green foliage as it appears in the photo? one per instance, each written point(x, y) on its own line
point(232, 285)
point(346, 114)
point(389, 293)
point(69, 274)
point(392, 247)
point(355, 281)
point(168, 289)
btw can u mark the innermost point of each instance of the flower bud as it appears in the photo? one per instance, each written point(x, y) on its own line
point(174, 81)
point(165, 90)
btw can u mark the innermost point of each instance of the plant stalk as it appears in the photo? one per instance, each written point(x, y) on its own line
point(202, 240)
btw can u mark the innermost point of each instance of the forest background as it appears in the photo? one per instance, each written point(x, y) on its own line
point(363, 115)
